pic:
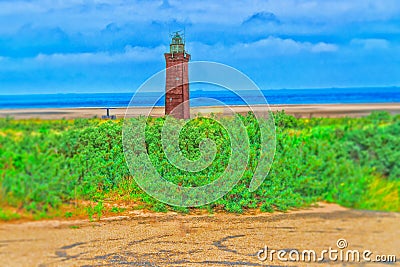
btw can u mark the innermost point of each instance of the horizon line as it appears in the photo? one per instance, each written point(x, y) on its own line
point(201, 90)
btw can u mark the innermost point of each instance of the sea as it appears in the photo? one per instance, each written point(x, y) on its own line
point(273, 96)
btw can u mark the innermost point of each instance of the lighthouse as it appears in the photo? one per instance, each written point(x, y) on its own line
point(177, 79)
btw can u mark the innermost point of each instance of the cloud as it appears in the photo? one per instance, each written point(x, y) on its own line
point(261, 51)
point(81, 26)
point(106, 36)
point(371, 44)
point(165, 4)
point(83, 15)
point(324, 47)
point(261, 17)
point(130, 54)
point(274, 46)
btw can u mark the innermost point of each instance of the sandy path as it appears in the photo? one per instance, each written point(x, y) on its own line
point(307, 111)
point(197, 240)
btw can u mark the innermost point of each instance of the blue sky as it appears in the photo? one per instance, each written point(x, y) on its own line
point(49, 46)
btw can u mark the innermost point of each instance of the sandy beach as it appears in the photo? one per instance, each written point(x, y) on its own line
point(300, 111)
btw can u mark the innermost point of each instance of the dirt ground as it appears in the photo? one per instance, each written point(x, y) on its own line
point(150, 239)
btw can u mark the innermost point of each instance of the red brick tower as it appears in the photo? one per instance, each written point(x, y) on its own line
point(177, 79)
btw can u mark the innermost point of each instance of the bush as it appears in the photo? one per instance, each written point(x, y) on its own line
point(44, 164)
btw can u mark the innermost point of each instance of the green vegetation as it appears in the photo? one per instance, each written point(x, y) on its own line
point(6, 215)
point(117, 209)
point(47, 164)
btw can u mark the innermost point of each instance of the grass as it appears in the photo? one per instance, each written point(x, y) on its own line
point(381, 194)
point(66, 168)
point(7, 215)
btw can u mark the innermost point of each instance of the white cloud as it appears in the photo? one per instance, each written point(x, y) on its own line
point(50, 36)
point(279, 46)
point(79, 15)
point(130, 54)
point(266, 48)
point(324, 47)
point(371, 43)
